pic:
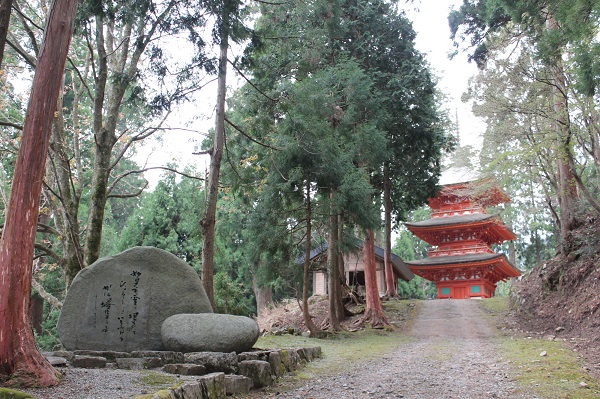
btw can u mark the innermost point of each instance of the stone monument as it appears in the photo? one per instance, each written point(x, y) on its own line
point(120, 302)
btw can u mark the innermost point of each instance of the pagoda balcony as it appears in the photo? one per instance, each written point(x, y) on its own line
point(448, 211)
point(461, 249)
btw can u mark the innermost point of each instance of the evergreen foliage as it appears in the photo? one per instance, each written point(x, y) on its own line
point(167, 218)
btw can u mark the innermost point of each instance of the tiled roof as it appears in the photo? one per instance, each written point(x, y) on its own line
point(450, 220)
point(443, 260)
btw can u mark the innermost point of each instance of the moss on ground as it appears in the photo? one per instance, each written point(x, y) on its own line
point(7, 393)
point(155, 379)
point(497, 306)
point(338, 350)
point(558, 375)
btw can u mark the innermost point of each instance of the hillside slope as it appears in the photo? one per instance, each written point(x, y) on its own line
point(561, 297)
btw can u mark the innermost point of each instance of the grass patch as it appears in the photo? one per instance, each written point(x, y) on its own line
point(339, 351)
point(497, 306)
point(400, 312)
point(557, 375)
point(155, 379)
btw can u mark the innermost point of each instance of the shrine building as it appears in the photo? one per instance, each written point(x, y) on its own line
point(461, 261)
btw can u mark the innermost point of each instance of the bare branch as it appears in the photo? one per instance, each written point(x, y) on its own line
point(138, 137)
point(48, 297)
point(24, 21)
point(47, 251)
point(130, 195)
point(207, 152)
point(44, 228)
point(250, 83)
point(270, 3)
point(250, 138)
point(81, 78)
point(14, 43)
point(131, 172)
point(10, 124)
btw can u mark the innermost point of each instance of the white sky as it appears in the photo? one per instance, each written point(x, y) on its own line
point(433, 39)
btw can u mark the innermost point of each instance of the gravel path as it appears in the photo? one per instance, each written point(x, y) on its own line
point(78, 383)
point(453, 354)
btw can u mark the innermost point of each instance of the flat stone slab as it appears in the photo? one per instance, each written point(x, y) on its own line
point(185, 369)
point(56, 361)
point(165, 356)
point(209, 332)
point(138, 363)
point(109, 355)
point(119, 303)
point(89, 362)
point(214, 361)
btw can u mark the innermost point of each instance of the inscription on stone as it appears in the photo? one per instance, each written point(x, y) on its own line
point(119, 303)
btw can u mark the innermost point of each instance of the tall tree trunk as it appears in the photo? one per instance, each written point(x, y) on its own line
point(374, 310)
point(390, 281)
point(310, 324)
point(567, 186)
point(99, 195)
point(108, 98)
point(67, 209)
point(104, 139)
point(264, 296)
point(336, 312)
point(20, 361)
point(209, 218)
point(5, 8)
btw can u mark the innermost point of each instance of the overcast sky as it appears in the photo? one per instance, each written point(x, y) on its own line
point(433, 38)
point(429, 19)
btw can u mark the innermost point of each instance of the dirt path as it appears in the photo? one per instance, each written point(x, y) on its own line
point(452, 354)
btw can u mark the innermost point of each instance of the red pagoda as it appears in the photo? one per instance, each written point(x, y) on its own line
point(461, 261)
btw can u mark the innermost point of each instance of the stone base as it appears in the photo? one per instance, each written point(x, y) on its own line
point(231, 373)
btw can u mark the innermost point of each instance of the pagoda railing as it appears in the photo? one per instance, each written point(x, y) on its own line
point(462, 249)
point(456, 210)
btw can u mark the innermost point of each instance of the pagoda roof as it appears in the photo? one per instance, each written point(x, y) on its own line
point(484, 192)
point(504, 268)
point(462, 174)
point(432, 230)
point(455, 259)
point(451, 220)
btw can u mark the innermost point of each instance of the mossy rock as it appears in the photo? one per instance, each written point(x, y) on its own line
point(162, 394)
point(6, 393)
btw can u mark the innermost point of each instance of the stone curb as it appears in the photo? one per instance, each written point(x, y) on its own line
point(229, 373)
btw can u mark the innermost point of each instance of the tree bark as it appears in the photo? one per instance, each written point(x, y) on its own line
point(209, 219)
point(310, 324)
point(390, 281)
point(336, 312)
point(374, 310)
point(264, 296)
point(102, 139)
point(5, 8)
point(20, 361)
point(66, 207)
point(567, 186)
point(123, 60)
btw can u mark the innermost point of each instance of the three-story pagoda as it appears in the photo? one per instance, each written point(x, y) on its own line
point(461, 261)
